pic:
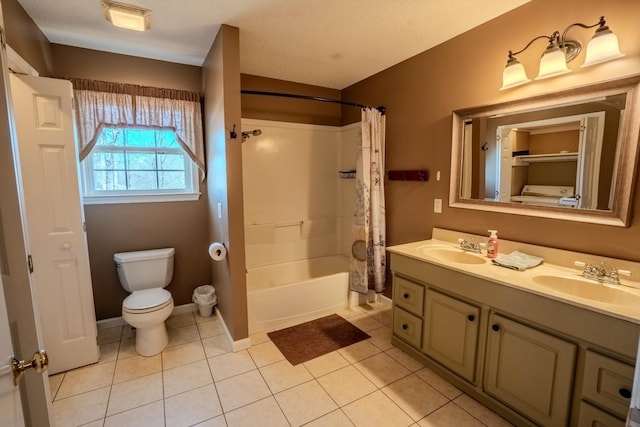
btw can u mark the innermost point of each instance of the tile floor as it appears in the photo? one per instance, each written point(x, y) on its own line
point(198, 381)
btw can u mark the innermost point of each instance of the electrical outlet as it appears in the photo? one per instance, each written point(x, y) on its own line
point(437, 205)
point(219, 210)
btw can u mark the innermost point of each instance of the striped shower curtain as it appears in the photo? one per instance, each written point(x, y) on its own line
point(368, 257)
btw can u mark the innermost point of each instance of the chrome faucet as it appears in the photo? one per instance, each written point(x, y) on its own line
point(471, 246)
point(599, 273)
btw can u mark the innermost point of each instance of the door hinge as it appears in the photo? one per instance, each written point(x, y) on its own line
point(30, 263)
point(3, 42)
point(84, 226)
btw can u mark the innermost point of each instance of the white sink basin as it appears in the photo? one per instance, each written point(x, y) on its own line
point(587, 289)
point(451, 255)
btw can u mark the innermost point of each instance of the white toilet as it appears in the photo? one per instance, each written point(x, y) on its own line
point(146, 274)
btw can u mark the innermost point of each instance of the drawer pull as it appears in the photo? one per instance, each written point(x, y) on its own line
point(495, 327)
point(625, 392)
point(471, 317)
point(405, 326)
point(405, 295)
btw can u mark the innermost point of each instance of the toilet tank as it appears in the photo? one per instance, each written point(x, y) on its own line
point(145, 269)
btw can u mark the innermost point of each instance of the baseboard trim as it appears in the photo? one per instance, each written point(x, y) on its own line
point(236, 346)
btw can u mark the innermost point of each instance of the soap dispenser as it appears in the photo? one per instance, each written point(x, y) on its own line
point(492, 244)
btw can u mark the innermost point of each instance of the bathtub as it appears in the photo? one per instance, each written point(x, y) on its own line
point(282, 295)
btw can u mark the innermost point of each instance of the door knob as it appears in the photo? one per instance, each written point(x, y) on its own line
point(39, 362)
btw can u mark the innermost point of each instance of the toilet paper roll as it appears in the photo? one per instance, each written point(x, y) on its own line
point(217, 251)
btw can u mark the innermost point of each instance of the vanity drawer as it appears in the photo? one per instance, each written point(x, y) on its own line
point(409, 295)
point(608, 382)
point(408, 327)
point(592, 416)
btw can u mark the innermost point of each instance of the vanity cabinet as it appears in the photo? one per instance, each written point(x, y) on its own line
point(451, 333)
point(607, 384)
point(533, 359)
point(529, 370)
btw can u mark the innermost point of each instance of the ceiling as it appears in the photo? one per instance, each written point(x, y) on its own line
point(330, 43)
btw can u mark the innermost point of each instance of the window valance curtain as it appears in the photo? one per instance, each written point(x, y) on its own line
point(99, 104)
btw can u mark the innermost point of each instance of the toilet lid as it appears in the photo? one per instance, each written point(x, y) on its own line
point(147, 298)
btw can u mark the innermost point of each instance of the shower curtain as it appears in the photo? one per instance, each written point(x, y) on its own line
point(368, 257)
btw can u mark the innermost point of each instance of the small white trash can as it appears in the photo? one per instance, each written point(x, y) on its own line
point(205, 297)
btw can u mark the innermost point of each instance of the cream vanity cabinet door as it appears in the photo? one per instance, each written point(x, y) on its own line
point(408, 302)
point(529, 370)
point(451, 333)
point(592, 416)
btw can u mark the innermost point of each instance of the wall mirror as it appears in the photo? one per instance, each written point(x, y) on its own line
point(568, 155)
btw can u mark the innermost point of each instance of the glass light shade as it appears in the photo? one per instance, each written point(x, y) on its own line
point(513, 74)
point(553, 63)
point(602, 47)
point(126, 16)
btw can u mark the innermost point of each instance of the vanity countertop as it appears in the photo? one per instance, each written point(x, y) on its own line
point(620, 301)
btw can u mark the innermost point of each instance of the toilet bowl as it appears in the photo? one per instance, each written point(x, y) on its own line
point(145, 274)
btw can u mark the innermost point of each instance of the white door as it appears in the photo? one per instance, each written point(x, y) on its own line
point(15, 286)
point(10, 402)
point(54, 220)
point(505, 164)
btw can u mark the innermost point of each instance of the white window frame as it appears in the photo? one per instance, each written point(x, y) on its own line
point(93, 197)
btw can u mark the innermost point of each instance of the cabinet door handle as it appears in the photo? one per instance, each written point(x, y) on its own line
point(471, 317)
point(405, 295)
point(405, 326)
point(495, 327)
point(625, 392)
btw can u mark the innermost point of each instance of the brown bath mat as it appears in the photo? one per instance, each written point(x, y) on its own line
point(312, 339)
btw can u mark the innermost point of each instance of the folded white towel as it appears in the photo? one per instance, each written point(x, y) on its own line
point(518, 261)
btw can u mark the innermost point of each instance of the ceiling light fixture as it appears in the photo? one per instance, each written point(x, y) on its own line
point(602, 47)
point(127, 16)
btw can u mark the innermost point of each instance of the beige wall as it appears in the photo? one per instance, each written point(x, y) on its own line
point(26, 38)
point(288, 109)
point(221, 87)
point(140, 226)
point(421, 93)
point(82, 63)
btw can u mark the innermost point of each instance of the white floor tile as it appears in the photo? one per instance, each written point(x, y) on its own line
point(151, 415)
point(82, 408)
point(377, 410)
point(242, 390)
point(305, 403)
point(282, 375)
point(264, 413)
point(450, 415)
point(186, 377)
point(134, 393)
point(192, 407)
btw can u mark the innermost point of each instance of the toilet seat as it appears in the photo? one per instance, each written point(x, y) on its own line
point(147, 300)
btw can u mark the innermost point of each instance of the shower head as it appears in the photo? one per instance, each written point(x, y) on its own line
point(248, 134)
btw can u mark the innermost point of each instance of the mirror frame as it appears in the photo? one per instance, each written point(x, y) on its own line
point(620, 213)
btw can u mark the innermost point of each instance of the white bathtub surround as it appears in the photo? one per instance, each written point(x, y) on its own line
point(297, 221)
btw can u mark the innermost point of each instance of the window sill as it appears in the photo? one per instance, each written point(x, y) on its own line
point(149, 198)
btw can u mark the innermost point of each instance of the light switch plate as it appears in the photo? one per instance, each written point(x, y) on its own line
point(437, 205)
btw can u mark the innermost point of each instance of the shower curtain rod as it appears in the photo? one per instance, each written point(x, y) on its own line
point(381, 108)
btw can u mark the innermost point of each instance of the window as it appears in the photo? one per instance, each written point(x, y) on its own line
point(138, 165)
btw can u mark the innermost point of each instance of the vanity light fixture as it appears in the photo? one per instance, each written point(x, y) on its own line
point(602, 47)
point(127, 16)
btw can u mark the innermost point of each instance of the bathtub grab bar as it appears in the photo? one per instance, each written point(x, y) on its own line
point(278, 225)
